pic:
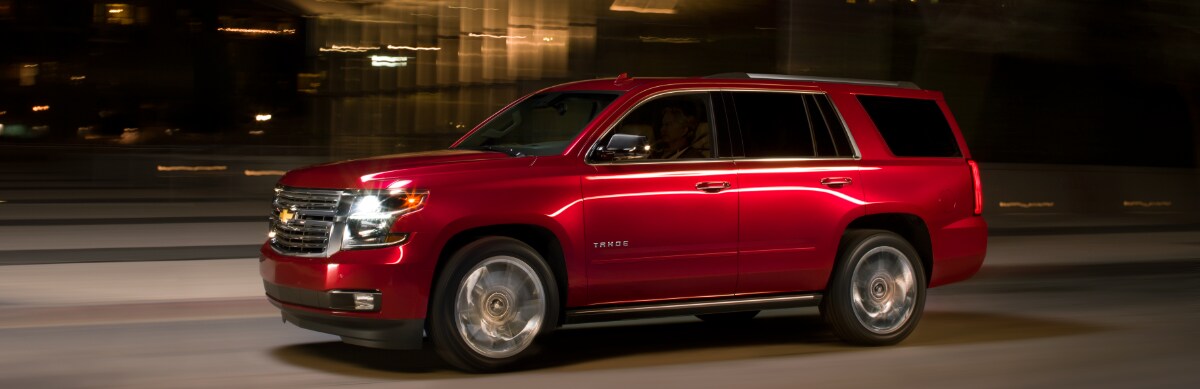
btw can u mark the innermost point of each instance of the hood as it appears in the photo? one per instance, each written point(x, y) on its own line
point(379, 172)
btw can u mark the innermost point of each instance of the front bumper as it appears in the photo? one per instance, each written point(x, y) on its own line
point(406, 334)
point(403, 280)
point(306, 291)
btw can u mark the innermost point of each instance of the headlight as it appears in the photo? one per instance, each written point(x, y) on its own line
point(372, 215)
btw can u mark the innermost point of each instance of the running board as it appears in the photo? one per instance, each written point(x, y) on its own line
point(682, 308)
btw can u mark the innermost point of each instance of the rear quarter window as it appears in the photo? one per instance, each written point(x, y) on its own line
point(912, 127)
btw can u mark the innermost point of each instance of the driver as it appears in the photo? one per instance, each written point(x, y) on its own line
point(676, 130)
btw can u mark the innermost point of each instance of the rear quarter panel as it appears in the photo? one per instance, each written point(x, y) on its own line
point(937, 190)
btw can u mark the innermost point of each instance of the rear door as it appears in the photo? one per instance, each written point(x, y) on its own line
point(799, 187)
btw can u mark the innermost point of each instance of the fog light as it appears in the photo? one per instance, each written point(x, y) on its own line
point(364, 301)
point(349, 300)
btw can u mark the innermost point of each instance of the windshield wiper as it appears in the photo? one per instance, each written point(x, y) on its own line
point(507, 150)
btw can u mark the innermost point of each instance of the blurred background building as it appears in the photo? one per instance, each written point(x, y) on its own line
point(1066, 82)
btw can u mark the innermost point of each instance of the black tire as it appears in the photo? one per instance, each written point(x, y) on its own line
point(889, 251)
point(728, 317)
point(451, 343)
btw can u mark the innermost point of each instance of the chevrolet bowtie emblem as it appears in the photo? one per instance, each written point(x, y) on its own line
point(285, 215)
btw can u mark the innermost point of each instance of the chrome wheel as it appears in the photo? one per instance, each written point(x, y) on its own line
point(883, 290)
point(500, 307)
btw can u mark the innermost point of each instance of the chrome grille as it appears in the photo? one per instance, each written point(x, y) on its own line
point(310, 216)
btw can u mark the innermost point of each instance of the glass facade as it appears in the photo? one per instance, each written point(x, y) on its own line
point(355, 78)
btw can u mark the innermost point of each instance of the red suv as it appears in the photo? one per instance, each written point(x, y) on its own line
point(629, 198)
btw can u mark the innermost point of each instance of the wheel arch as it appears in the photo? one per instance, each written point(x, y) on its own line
point(910, 227)
point(542, 239)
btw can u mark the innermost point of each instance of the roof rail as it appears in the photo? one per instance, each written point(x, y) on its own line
point(764, 76)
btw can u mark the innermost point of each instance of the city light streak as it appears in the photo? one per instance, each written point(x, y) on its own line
point(644, 6)
point(474, 35)
point(659, 39)
point(1026, 205)
point(1145, 204)
point(413, 48)
point(257, 31)
point(259, 173)
point(388, 61)
point(212, 168)
point(349, 49)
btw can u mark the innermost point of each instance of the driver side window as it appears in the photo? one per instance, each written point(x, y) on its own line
point(674, 127)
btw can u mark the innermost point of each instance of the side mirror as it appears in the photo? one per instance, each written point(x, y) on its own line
point(622, 147)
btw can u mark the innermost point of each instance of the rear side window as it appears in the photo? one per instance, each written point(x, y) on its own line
point(828, 132)
point(789, 125)
point(911, 127)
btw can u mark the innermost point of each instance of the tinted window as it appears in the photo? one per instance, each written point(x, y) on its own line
point(911, 127)
point(676, 126)
point(773, 124)
point(540, 125)
point(822, 136)
point(833, 124)
point(790, 125)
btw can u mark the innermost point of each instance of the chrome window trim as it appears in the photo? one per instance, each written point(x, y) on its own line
point(796, 159)
point(663, 162)
point(845, 128)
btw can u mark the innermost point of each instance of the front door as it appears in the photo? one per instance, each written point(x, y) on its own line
point(663, 225)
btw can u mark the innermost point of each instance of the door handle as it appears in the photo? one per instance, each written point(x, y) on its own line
point(836, 182)
point(712, 186)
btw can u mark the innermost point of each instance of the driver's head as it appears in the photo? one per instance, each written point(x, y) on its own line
point(676, 123)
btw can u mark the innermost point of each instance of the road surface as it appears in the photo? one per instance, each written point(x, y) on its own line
point(1101, 310)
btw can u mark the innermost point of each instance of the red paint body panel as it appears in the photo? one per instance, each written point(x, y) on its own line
point(939, 191)
point(385, 270)
point(682, 242)
point(791, 224)
point(775, 229)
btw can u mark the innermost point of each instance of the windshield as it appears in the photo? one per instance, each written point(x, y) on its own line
point(543, 124)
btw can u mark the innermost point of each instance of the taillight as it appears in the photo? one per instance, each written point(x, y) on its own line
point(976, 186)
